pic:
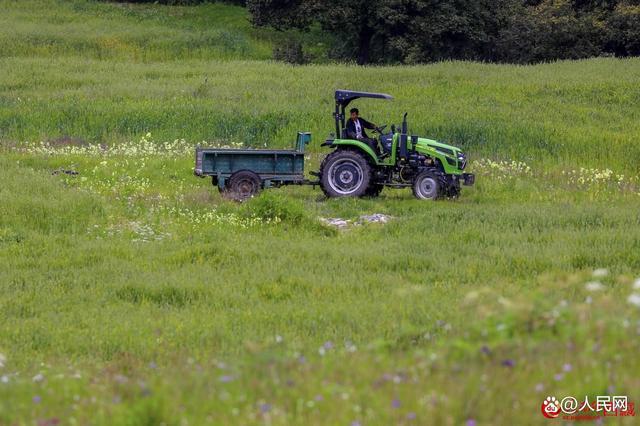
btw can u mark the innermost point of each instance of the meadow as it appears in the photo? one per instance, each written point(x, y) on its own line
point(132, 294)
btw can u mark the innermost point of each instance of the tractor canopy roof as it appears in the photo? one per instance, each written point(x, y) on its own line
point(344, 97)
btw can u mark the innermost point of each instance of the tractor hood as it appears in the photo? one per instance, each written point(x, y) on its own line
point(452, 158)
point(443, 148)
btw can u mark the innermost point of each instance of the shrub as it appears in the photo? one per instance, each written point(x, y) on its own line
point(270, 206)
point(290, 51)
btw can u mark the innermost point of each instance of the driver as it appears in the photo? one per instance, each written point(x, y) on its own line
point(355, 129)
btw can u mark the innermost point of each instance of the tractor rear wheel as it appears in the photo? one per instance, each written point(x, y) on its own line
point(345, 173)
point(426, 186)
point(242, 185)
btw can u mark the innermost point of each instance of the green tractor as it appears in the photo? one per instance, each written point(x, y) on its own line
point(432, 169)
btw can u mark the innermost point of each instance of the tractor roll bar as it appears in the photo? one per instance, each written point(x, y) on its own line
point(344, 98)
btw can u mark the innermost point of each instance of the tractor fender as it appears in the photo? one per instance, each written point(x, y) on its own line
point(354, 144)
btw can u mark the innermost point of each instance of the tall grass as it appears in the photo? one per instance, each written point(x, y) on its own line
point(52, 86)
point(119, 299)
point(138, 33)
point(538, 114)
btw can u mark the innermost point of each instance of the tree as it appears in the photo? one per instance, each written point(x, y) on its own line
point(624, 29)
point(393, 30)
point(354, 22)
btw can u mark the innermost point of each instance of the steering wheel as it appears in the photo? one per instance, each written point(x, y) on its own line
point(380, 129)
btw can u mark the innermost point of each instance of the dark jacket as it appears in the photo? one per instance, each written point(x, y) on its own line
point(351, 128)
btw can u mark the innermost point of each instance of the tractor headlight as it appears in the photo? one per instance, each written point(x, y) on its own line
point(462, 161)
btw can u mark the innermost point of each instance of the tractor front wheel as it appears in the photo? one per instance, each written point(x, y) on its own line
point(426, 186)
point(345, 173)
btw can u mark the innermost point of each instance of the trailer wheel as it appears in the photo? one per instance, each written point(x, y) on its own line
point(242, 185)
point(345, 173)
point(426, 186)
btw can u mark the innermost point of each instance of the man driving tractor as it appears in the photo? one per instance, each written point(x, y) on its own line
point(355, 129)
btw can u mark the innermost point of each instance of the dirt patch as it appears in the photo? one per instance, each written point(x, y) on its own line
point(67, 141)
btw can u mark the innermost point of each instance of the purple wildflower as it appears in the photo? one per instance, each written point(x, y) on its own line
point(411, 416)
point(265, 408)
point(471, 422)
point(36, 399)
point(558, 377)
point(567, 367)
point(395, 403)
point(508, 363)
point(226, 378)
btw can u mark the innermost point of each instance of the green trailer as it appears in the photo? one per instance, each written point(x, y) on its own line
point(242, 173)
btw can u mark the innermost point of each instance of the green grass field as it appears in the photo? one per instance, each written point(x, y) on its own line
point(132, 294)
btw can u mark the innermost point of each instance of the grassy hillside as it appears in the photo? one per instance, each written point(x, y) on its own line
point(131, 293)
point(138, 33)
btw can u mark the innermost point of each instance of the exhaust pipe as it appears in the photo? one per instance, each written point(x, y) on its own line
point(403, 138)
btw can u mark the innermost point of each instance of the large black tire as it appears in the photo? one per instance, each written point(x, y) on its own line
point(242, 185)
point(345, 173)
point(427, 186)
point(374, 190)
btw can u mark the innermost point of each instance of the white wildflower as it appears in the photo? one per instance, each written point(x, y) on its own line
point(634, 299)
point(636, 284)
point(38, 378)
point(594, 286)
point(600, 273)
point(3, 360)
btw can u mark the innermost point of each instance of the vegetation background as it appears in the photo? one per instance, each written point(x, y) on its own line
point(131, 293)
point(415, 31)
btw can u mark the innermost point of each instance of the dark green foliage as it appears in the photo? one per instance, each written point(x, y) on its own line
point(551, 30)
point(181, 2)
point(411, 31)
point(281, 14)
point(624, 30)
point(289, 51)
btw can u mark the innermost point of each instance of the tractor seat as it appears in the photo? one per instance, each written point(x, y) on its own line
point(386, 141)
